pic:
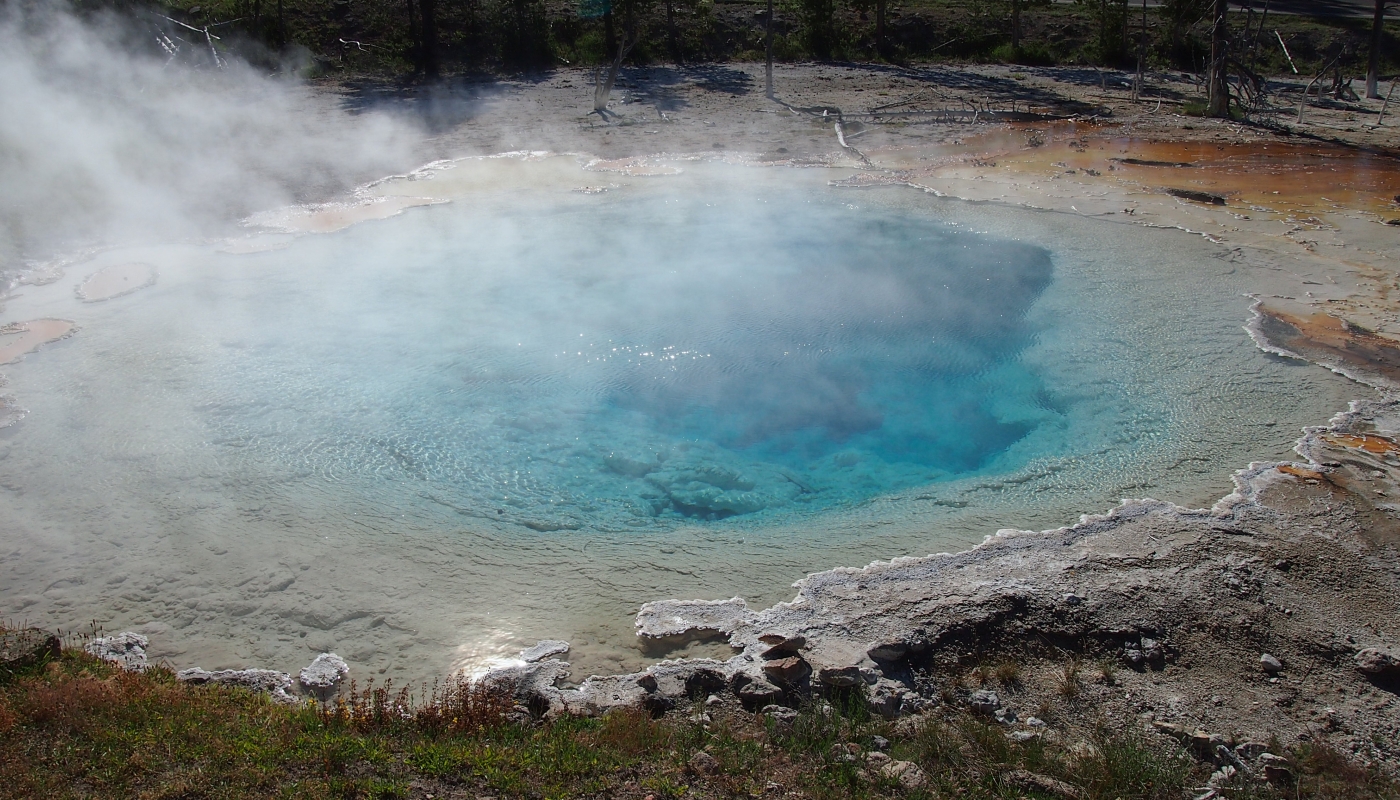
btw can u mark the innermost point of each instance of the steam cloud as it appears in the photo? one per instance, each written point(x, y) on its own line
point(104, 137)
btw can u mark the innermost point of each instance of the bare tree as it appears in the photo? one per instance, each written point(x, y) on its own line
point(602, 87)
point(430, 41)
point(768, 49)
point(1373, 66)
point(676, 53)
point(1218, 88)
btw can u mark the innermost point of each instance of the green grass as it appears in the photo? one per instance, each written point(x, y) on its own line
point(77, 727)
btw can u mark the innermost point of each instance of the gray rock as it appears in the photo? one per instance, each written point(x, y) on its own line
point(126, 649)
point(840, 676)
point(1270, 664)
point(1044, 784)
point(879, 743)
point(677, 618)
point(914, 704)
point(886, 698)
point(780, 645)
point(549, 648)
point(1221, 776)
point(275, 684)
point(703, 763)
point(787, 670)
point(1276, 769)
point(714, 700)
point(1250, 750)
point(1005, 716)
point(890, 651)
point(1374, 661)
point(845, 752)
point(984, 701)
point(907, 773)
point(1133, 656)
point(323, 675)
point(759, 693)
point(876, 760)
point(535, 686)
point(1022, 736)
point(27, 647)
point(1153, 652)
point(781, 716)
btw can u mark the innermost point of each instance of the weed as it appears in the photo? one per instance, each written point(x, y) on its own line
point(1069, 679)
point(81, 728)
point(983, 674)
point(1009, 674)
point(1108, 671)
point(1125, 765)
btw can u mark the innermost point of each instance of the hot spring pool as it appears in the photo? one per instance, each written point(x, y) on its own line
point(428, 440)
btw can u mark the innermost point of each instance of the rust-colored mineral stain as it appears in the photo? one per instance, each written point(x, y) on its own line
point(1376, 445)
point(1279, 177)
point(1327, 339)
point(115, 281)
point(24, 337)
point(1301, 472)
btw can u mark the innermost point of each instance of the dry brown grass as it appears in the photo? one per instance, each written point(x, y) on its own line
point(456, 705)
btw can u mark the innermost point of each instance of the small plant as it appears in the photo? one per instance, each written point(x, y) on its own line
point(1069, 678)
point(1009, 674)
point(1108, 671)
point(983, 674)
point(1123, 764)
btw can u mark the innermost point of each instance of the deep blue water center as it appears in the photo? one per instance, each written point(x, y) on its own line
point(869, 336)
point(629, 359)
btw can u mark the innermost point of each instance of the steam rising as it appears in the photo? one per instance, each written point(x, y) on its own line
point(105, 137)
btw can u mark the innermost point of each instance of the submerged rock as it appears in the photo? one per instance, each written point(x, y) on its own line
point(676, 618)
point(125, 649)
point(548, 648)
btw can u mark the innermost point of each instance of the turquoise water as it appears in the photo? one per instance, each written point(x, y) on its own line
point(632, 362)
point(427, 441)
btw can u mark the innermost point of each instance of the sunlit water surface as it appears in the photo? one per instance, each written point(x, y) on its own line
point(429, 440)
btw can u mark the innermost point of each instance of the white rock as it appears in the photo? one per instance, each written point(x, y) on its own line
point(324, 674)
point(1270, 664)
point(273, 683)
point(126, 649)
point(984, 701)
point(907, 773)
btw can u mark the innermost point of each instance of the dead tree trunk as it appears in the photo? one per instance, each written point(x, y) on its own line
point(430, 42)
point(1218, 93)
point(881, 46)
point(415, 42)
point(602, 88)
point(671, 32)
point(1016, 25)
point(1373, 66)
point(768, 49)
point(609, 33)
